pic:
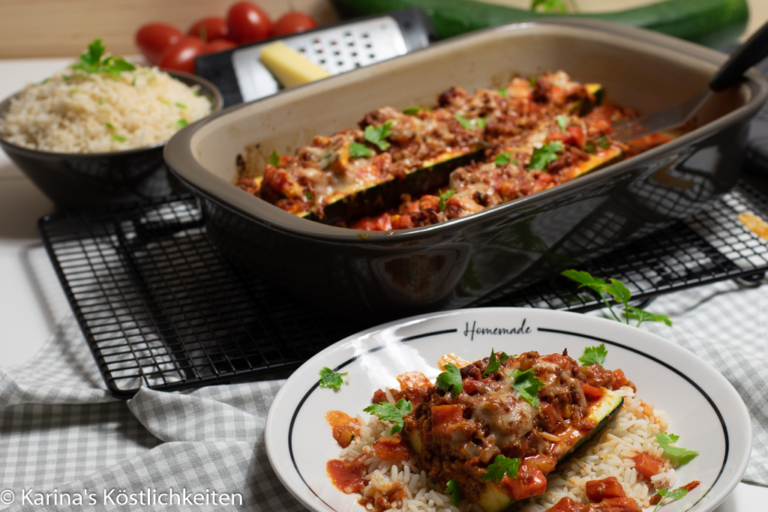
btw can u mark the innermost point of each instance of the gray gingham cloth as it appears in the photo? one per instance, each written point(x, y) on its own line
point(61, 432)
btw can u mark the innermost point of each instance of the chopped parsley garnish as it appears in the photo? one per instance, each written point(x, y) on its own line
point(330, 378)
point(562, 122)
point(180, 105)
point(165, 102)
point(388, 412)
point(444, 196)
point(500, 466)
point(620, 294)
point(594, 355)
point(414, 111)
point(455, 491)
point(681, 455)
point(528, 386)
point(494, 363)
point(376, 135)
point(92, 61)
point(532, 81)
point(450, 380)
point(357, 150)
point(589, 147)
point(181, 123)
point(118, 138)
point(503, 92)
point(502, 158)
point(475, 124)
point(666, 494)
point(274, 158)
point(545, 155)
point(109, 125)
point(602, 141)
point(308, 195)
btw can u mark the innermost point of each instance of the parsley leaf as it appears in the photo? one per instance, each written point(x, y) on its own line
point(357, 150)
point(181, 123)
point(274, 158)
point(589, 147)
point(330, 378)
point(450, 379)
point(376, 135)
point(602, 141)
point(681, 455)
point(92, 62)
point(562, 122)
point(532, 81)
point(594, 355)
point(118, 138)
point(666, 494)
point(414, 111)
point(641, 315)
point(501, 466)
point(528, 386)
point(388, 412)
point(475, 124)
point(494, 364)
point(109, 125)
point(503, 92)
point(455, 491)
point(444, 196)
point(180, 105)
point(502, 158)
point(308, 195)
point(545, 155)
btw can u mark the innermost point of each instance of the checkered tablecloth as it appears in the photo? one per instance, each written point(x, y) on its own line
point(61, 433)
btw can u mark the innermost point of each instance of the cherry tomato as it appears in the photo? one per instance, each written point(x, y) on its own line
point(247, 22)
point(210, 29)
point(153, 38)
point(181, 56)
point(293, 22)
point(218, 45)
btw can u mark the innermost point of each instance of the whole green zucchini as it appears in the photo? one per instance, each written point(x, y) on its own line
point(709, 22)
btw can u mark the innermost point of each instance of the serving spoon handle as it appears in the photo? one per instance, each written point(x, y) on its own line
point(748, 54)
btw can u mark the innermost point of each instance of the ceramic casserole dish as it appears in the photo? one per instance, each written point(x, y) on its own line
point(381, 275)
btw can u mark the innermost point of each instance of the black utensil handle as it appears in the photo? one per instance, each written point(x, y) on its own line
point(750, 53)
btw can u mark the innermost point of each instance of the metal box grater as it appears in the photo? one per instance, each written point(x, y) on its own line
point(240, 76)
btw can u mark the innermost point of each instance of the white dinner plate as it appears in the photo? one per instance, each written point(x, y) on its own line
point(703, 408)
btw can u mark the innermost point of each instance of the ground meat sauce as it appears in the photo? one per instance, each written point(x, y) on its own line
point(496, 130)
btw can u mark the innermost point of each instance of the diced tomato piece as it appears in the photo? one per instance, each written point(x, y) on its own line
point(444, 415)
point(615, 505)
point(381, 223)
point(591, 392)
point(619, 379)
point(577, 136)
point(393, 448)
point(610, 487)
point(648, 465)
point(429, 202)
point(568, 505)
point(402, 222)
point(413, 380)
point(526, 484)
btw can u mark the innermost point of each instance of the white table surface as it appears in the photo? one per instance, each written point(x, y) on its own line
point(31, 300)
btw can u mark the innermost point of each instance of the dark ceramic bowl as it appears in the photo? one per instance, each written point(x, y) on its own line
point(470, 260)
point(86, 180)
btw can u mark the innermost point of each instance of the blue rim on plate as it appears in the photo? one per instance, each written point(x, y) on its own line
point(703, 407)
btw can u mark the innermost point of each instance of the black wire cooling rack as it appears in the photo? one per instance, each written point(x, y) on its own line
point(158, 303)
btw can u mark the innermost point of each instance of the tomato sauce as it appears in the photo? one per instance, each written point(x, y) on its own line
point(347, 475)
point(345, 427)
point(393, 448)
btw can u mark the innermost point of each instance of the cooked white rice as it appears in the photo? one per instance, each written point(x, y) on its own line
point(611, 454)
point(76, 112)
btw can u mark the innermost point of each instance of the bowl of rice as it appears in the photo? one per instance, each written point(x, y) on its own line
point(94, 133)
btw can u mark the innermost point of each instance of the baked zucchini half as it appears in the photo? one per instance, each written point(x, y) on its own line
point(494, 498)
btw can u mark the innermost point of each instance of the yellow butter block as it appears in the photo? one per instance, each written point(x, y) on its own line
point(289, 67)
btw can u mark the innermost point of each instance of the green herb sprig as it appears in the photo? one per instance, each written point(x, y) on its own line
point(331, 379)
point(376, 135)
point(545, 155)
point(562, 122)
point(475, 124)
point(500, 466)
point(666, 494)
point(93, 61)
point(494, 363)
point(680, 455)
point(357, 150)
point(394, 413)
point(450, 380)
point(594, 355)
point(528, 386)
point(444, 196)
point(620, 294)
point(274, 158)
point(502, 159)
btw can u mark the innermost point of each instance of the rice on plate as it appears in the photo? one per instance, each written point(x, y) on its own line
point(102, 104)
point(614, 452)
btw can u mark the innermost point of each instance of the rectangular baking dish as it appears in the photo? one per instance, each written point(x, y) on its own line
point(466, 261)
